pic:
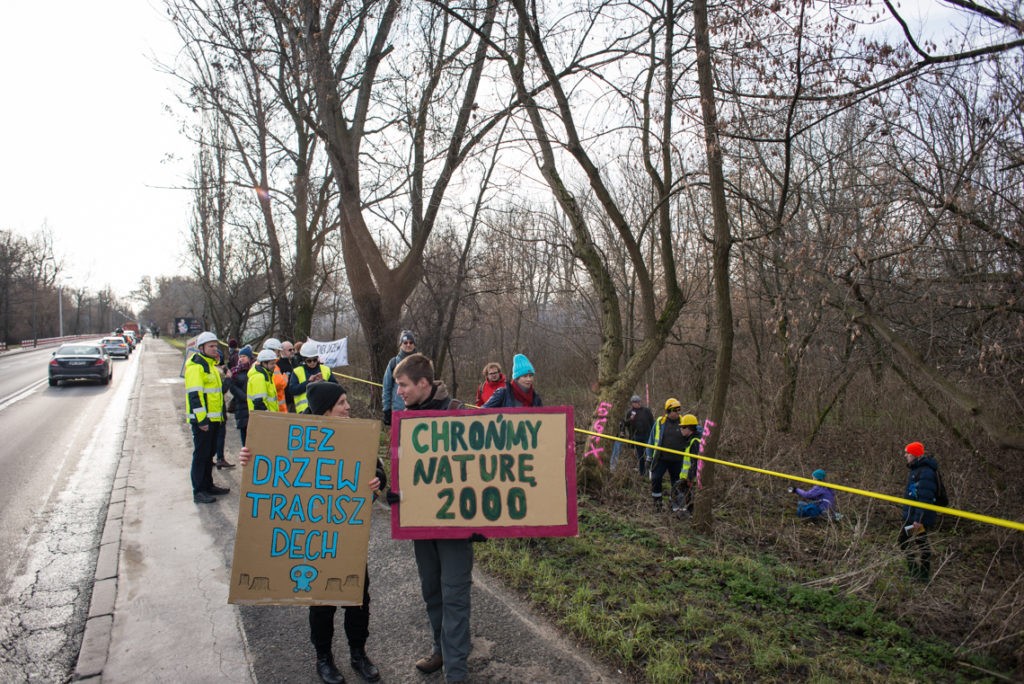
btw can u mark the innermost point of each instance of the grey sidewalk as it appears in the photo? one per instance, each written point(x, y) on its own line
point(159, 610)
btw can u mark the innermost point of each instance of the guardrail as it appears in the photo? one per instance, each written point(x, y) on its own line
point(50, 341)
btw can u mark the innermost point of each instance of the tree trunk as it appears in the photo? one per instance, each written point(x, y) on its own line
point(722, 246)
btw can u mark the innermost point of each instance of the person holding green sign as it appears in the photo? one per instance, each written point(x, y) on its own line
point(445, 565)
point(331, 399)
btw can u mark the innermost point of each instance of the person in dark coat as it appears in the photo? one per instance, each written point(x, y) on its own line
point(237, 387)
point(390, 399)
point(445, 566)
point(922, 485)
point(232, 352)
point(638, 423)
point(679, 435)
point(519, 391)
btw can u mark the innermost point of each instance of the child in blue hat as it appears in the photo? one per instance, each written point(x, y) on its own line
point(816, 502)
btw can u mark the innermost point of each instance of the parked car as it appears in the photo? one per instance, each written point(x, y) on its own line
point(80, 362)
point(116, 346)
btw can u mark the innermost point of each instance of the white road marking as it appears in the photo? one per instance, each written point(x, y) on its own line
point(23, 393)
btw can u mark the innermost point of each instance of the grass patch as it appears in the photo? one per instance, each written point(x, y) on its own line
point(666, 605)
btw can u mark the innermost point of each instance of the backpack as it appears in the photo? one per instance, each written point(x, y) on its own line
point(941, 495)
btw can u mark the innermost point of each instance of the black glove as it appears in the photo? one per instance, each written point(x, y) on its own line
point(393, 498)
point(387, 417)
point(477, 537)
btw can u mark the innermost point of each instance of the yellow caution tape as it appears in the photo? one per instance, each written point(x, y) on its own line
point(987, 519)
point(349, 377)
point(1011, 524)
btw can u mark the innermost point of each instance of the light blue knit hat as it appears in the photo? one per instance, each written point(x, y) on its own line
point(521, 366)
point(818, 474)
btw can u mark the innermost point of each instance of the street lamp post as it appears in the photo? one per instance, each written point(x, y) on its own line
point(60, 303)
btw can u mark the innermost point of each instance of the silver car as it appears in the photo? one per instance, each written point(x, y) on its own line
point(116, 346)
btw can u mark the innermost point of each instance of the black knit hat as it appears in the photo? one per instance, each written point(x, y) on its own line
point(323, 396)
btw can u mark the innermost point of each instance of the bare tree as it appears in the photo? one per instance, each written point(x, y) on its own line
point(221, 262)
point(345, 51)
point(244, 68)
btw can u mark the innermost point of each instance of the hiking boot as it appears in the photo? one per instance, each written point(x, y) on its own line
point(430, 663)
point(328, 671)
point(363, 666)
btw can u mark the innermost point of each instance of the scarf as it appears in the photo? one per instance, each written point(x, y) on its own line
point(524, 398)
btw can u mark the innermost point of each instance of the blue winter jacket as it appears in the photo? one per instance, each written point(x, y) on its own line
point(922, 485)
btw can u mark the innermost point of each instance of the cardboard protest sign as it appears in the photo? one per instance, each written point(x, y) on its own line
point(507, 472)
point(304, 515)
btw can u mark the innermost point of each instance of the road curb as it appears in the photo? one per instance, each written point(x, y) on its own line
point(96, 639)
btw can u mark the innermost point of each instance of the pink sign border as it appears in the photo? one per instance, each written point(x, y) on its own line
point(569, 529)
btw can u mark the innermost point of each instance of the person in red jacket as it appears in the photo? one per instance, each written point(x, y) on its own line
point(493, 379)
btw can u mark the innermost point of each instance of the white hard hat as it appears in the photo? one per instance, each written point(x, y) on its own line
point(309, 350)
point(272, 343)
point(205, 337)
point(266, 355)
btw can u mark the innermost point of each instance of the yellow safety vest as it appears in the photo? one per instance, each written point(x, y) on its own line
point(261, 386)
point(692, 448)
point(204, 390)
point(301, 403)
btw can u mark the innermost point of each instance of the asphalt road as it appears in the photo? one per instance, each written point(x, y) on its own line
point(58, 457)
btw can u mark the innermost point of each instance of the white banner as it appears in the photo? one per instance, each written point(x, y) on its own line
point(332, 354)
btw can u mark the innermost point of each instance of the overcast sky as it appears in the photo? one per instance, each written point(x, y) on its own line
point(85, 137)
point(88, 147)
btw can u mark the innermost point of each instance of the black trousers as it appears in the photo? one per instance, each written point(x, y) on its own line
point(357, 623)
point(658, 470)
point(641, 457)
point(204, 445)
point(219, 449)
point(919, 553)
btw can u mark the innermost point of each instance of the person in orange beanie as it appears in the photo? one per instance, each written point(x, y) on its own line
point(922, 485)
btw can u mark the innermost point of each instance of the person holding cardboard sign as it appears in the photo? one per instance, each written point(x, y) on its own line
point(445, 566)
point(331, 399)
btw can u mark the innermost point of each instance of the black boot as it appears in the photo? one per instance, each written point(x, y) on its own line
point(363, 666)
point(327, 671)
